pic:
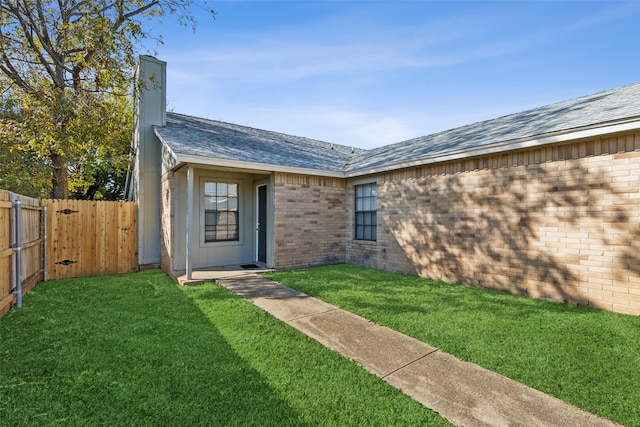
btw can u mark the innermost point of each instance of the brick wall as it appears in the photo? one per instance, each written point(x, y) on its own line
point(559, 223)
point(166, 218)
point(309, 220)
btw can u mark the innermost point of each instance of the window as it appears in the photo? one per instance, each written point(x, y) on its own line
point(221, 212)
point(366, 206)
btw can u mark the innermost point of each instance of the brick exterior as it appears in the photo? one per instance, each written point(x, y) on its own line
point(166, 218)
point(559, 223)
point(309, 220)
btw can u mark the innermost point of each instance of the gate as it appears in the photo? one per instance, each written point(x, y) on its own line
point(90, 238)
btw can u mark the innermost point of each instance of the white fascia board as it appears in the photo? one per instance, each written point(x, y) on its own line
point(263, 167)
point(581, 134)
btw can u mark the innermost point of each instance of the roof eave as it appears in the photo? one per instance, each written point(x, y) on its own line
point(260, 167)
point(588, 132)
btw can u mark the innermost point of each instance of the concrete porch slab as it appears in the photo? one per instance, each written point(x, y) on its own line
point(214, 274)
point(281, 301)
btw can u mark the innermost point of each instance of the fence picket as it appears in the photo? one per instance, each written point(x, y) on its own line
point(31, 267)
point(6, 252)
point(84, 238)
point(92, 238)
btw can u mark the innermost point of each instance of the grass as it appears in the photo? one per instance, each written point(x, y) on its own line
point(136, 349)
point(587, 357)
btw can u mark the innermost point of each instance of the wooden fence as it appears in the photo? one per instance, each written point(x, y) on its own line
point(83, 238)
point(89, 238)
point(29, 242)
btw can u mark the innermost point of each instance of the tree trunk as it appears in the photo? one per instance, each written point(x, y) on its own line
point(59, 164)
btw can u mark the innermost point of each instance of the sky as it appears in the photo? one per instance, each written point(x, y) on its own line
point(371, 73)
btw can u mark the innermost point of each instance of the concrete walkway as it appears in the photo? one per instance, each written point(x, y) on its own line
point(463, 393)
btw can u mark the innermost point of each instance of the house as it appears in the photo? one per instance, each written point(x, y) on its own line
point(544, 203)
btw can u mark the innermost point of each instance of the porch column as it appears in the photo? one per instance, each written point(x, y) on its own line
point(189, 220)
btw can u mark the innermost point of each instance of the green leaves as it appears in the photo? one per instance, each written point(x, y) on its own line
point(67, 68)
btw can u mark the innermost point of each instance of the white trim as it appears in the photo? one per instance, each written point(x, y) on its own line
point(203, 180)
point(189, 225)
point(266, 167)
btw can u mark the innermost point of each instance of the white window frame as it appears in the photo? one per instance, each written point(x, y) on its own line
point(221, 180)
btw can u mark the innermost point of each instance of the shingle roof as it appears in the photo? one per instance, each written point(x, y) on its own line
point(600, 108)
point(186, 135)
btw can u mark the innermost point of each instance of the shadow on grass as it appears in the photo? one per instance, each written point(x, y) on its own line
point(103, 351)
point(587, 357)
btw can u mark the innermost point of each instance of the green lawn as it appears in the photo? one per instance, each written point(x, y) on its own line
point(137, 349)
point(587, 357)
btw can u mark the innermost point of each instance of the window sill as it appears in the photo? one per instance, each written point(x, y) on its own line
point(365, 242)
point(221, 243)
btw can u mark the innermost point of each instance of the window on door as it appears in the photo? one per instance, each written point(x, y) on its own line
point(366, 222)
point(221, 212)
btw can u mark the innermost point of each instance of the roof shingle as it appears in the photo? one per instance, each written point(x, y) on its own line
point(600, 108)
point(186, 135)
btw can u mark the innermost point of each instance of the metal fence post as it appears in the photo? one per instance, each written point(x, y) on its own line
point(44, 243)
point(17, 247)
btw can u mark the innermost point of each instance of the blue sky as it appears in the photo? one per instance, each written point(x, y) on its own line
point(371, 73)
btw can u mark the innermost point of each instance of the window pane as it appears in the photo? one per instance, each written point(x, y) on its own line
point(374, 190)
point(359, 191)
point(209, 188)
point(367, 233)
point(233, 203)
point(223, 204)
point(209, 203)
point(374, 233)
point(210, 218)
point(221, 212)
point(359, 232)
point(366, 206)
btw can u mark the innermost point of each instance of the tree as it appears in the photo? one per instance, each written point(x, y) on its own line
point(98, 162)
point(21, 170)
point(67, 65)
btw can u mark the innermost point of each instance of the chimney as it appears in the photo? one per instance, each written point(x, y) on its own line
point(150, 110)
point(151, 91)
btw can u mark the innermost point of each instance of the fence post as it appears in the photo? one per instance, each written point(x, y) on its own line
point(17, 247)
point(44, 243)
